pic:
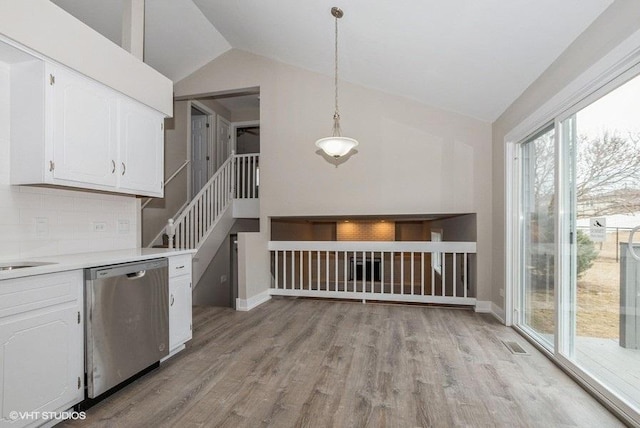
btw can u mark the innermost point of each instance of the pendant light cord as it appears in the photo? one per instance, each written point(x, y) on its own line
point(337, 132)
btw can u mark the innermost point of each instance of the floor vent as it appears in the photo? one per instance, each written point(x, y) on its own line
point(515, 348)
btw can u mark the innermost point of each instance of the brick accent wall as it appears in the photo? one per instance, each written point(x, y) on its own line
point(366, 231)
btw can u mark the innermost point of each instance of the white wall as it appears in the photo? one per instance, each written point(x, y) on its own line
point(412, 158)
point(69, 214)
point(617, 23)
point(253, 262)
point(245, 115)
point(211, 290)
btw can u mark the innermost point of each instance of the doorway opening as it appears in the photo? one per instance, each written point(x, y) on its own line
point(247, 137)
point(200, 126)
point(220, 124)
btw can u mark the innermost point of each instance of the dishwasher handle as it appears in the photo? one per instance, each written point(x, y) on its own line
point(129, 270)
point(136, 275)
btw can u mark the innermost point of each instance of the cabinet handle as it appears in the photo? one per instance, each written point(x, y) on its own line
point(113, 166)
point(124, 168)
point(172, 300)
point(179, 267)
point(52, 166)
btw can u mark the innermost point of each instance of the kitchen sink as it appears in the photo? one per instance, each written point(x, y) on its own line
point(21, 265)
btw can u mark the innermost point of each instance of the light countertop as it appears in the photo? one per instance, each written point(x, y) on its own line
point(67, 262)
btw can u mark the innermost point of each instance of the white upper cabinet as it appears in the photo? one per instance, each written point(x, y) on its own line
point(83, 126)
point(141, 148)
point(69, 130)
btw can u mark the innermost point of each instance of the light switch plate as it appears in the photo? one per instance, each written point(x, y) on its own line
point(99, 226)
point(123, 226)
point(42, 227)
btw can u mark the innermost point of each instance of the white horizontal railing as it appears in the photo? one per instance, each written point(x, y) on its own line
point(426, 272)
point(247, 176)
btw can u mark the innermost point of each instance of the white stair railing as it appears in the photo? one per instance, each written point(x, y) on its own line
point(202, 213)
point(238, 177)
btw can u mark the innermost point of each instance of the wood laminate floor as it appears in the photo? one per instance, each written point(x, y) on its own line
point(343, 364)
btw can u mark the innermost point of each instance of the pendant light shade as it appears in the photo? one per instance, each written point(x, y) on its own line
point(336, 145)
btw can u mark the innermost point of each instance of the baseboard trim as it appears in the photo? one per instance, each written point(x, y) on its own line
point(498, 313)
point(483, 306)
point(488, 307)
point(245, 305)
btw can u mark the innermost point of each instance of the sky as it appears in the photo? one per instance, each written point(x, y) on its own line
point(619, 110)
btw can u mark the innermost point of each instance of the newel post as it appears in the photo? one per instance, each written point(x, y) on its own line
point(233, 174)
point(170, 230)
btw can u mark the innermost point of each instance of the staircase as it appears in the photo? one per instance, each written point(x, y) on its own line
point(232, 192)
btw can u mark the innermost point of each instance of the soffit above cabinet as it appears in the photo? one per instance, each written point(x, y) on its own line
point(50, 31)
point(11, 55)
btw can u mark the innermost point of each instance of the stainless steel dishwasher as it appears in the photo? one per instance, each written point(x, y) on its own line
point(127, 327)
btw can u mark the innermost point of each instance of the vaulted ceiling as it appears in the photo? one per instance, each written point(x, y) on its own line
point(467, 56)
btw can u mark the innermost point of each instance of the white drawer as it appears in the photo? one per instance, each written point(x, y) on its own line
point(180, 265)
point(39, 291)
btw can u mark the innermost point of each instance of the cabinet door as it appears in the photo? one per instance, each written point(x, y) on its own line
point(82, 125)
point(179, 310)
point(41, 350)
point(141, 149)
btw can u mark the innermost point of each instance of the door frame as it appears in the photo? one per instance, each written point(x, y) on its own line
point(211, 119)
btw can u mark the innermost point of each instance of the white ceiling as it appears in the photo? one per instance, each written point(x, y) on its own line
point(240, 103)
point(467, 56)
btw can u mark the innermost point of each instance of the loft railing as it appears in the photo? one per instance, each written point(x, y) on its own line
point(426, 272)
point(247, 176)
point(237, 177)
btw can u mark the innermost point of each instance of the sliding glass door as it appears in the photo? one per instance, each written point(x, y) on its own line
point(603, 144)
point(537, 235)
point(578, 292)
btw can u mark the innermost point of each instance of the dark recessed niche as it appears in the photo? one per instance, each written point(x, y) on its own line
point(452, 227)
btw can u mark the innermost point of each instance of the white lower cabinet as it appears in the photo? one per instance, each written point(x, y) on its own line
point(180, 316)
point(180, 324)
point(41, 347)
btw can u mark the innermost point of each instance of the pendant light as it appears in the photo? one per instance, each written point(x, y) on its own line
point(336, 145)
